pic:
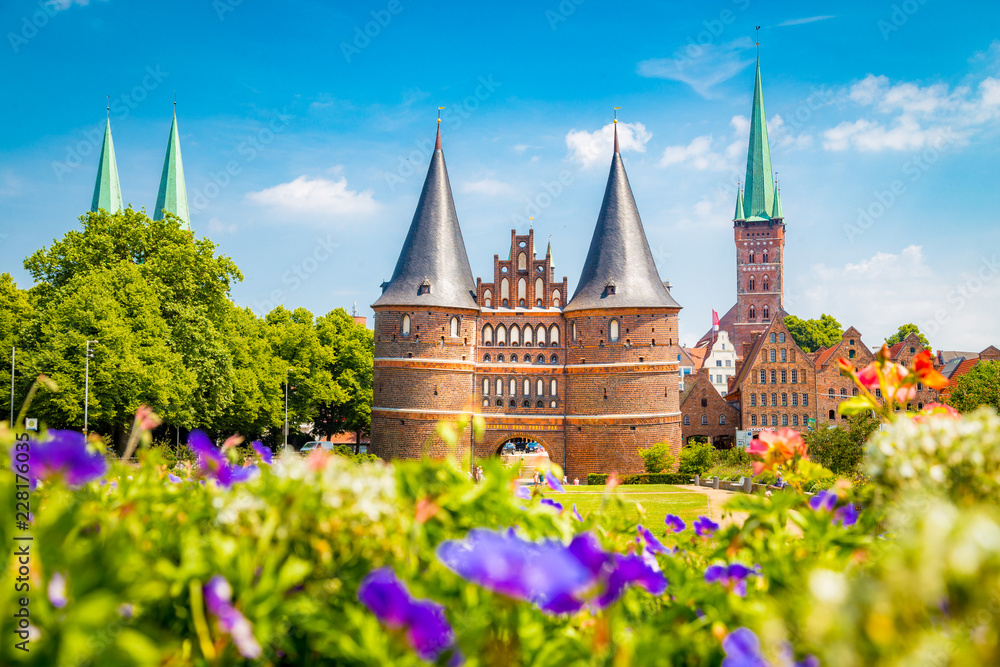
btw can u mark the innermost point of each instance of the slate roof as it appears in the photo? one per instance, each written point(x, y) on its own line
point(619, 254)
point(433, 250)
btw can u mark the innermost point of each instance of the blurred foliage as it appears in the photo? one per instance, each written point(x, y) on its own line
point(980, 386)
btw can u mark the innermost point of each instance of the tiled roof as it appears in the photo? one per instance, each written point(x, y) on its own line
point(962, 369)
point(697, 355)
point(824, 357)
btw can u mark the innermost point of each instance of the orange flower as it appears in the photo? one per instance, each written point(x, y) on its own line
point(776, 448)
point(924, 368)
point(846, 367)
point(936, 410)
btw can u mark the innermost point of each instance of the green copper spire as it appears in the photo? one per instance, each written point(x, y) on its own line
point(107, 190)
point(759, 197)
point(777, 205)
point(172, 196)
point(548, 253)
point(739, 204)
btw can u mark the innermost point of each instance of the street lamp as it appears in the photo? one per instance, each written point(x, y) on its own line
point(13, 353)
point(86, 388)
point(287, 371)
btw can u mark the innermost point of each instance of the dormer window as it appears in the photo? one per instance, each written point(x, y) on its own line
point(610, 288)
point(424, 288)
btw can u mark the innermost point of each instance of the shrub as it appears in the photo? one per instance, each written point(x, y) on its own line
point(841, 448)
point(696, 459)
point(641, 478)
point(658, 458)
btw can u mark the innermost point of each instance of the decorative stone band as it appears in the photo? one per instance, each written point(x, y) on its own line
point(434, 415)
point(603, 312)
point(637, 366)
point(437, 364)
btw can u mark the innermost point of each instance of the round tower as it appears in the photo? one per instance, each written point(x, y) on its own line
point(425, 328)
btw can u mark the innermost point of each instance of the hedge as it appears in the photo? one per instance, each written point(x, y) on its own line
point(643, 478)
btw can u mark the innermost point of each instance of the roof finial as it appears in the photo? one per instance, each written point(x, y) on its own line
point(757, 44)
point(109, 105)
point(437, 142)
point(616, 128)
point(175, 100)
point(531, 222)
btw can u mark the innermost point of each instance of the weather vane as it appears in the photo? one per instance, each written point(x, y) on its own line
point(757, 44)
point(439, 113)
point(109, 104)
point(616, 113)
point(531, 222)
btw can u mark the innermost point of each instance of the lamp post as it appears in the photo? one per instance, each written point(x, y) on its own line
point(287, 371)
point(13, 355)
point(86, 388)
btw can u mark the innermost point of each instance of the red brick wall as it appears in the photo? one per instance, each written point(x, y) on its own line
point(692, 410)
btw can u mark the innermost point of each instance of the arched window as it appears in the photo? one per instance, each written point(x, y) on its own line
point(704, 420)
point(554, 359)
point(832, 416)
point(613, 331)
point(522, 262)
point(774, 399)
point(540, 404)
point(556, 297)
point(488, 298)
point(513, 358)
point(527, 387)
point(774, 377)
point(501, 335)
point(830, 392)
point(486, 358)
point(499, 402)
point(539, 290)
point(751, 257)
point(784, 353)
point(764, 281)
point(752, 313)
point(540, 335)
point(774, 337)
point(687, 420)
point(781, 338)
point(772, 355)
point(539, 387)
point(763, 376)
point(795, 420)
point(513, 386)
point(753, 420)
point(795, 400)
point(454, 327)
point(795, 376)
point(513, 403)
point(514, 336)
point(784, 399)
point(504, 289)
point(488, 335)
point(541, 359)
point(552, 388)
point(526, 404)
point(499, 388)
point(406, 325)
point(554, 335)
point(764, 260)
point(486, 402)
point(843, 392)
point(522, 289)
point(850, 354)
point(784, 420)
point(766, 313)
point(763, 399)
point(854, 391)
point(528, 334)
point(574, 330)
point(486, 386)
point(499, 358)
point(722, 420)
point(753, 400)
point(774, 420)
point(751, 283)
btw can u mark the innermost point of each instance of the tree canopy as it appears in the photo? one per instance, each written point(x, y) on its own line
point(980, 386)
point(904, 331)
point(156, 300)
point(811, 335)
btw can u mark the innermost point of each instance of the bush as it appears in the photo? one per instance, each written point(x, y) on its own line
point(658, 458)
point(696, 459)
point(841, 448)
point(642, 478)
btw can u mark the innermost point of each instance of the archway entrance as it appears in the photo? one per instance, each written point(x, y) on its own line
point(526, 454)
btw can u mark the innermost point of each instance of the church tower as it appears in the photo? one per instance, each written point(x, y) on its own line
point(425, 328)
point(759, 232)
point(107, 189)
point(622, 347)
point(172, 195)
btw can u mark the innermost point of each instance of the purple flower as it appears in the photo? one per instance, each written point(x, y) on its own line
point(628, 570)
point(705, 526)
point(63, 454)
point(263, 452)
point(427, 630)
point(674, 523)
point(57, 590)
point(553, 482)
point(733, 577)
point(552, 503)
point(576, 515)
point(214, 462)
point(522, 492)
point(823, 501)
point(218, 596)
point(846, 515)
point(742, 649)
point(652, 543)
point(174, 478)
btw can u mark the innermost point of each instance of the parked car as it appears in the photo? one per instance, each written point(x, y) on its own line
point(533, 448)
point(313, 444)
point(509, 448)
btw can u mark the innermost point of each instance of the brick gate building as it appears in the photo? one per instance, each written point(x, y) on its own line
point(593, 378)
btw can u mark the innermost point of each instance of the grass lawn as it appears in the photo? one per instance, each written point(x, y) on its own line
point(621, 511)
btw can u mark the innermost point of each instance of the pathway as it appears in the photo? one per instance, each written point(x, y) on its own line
point(716, 500)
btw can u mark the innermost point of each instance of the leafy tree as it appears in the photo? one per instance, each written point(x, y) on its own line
point(811, 335)
point(904, 331)
point(354, 353)
point(658, 458)
point(15, 313)
point(696, 458)
point(980, 386)
point(841, 448)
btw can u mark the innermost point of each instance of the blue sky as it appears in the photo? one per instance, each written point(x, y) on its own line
point(305, 141)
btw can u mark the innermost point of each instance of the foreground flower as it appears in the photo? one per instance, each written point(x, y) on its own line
point(923, 367)
point(553, 483)
point(823, 500)
point(427, 630)
point(522, 492)
point(742, 649)
point(558, 578)
point(846, 516)
point(733, 577)
point(576, 514)
point(174, 478)
point(674, 523)
point(552, 503)
point(63, 454)
point(57, 590)
point(214, 462)
point(652, 543)
point(776, 448)
point(936, 410)
point(218, 599)
point(704, 526)
point(263, 452)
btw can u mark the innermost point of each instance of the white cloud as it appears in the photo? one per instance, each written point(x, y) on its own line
point(316, 198)
point(701, 67)
point(879, 293)
point(706, 152)
point(592, 148)
point(217, 227)
point(489, 187)
point(910, 117)
point(697, 154)
point(60, 5)
point(811, 19)
point(520, 148)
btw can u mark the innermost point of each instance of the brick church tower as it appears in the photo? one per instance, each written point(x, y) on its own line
point(759, 233)
point(622, 348)
point(425, 327)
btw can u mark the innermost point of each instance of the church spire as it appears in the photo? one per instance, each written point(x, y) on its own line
point(759, 196)
point(433, 268)
point(739, 203)
point(107, 190)
point(172, 196)
point(619, 271)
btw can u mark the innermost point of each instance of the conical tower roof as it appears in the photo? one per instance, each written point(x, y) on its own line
point(433, 268)
point(173, 193)
point(738, 215)
point(619, 271)
point(777, 213)
point(759, 196)
point(107, 189)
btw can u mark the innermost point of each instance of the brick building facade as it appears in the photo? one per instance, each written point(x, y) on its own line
point(593, 378)
point(706, 413)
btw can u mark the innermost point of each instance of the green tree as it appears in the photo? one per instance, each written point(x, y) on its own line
point(841, 448)
point(904, 331)
point(658, 458)
point(16, 313)
point(811, 335)
point(980, 386)
point(353, 348)
point(696, 458)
